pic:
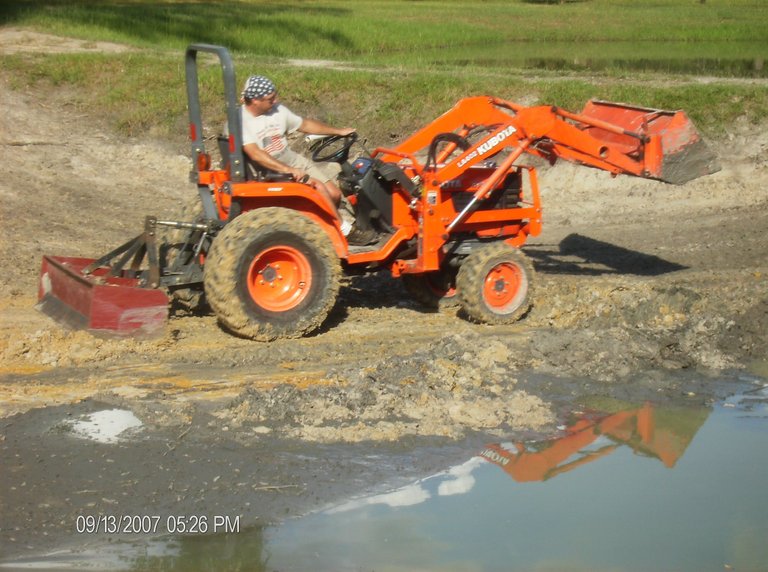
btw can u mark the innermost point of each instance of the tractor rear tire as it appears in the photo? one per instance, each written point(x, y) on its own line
point(432, 289)
point(272, 273)
point(495, 284)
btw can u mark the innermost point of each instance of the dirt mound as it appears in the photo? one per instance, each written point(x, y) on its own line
point(459, 385)
point(612, 327)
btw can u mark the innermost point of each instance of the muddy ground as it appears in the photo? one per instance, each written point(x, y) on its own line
point(644, 291)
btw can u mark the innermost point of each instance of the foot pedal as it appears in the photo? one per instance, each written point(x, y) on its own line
point(359, 237)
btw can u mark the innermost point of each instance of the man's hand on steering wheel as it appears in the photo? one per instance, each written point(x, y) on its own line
point(327, 149)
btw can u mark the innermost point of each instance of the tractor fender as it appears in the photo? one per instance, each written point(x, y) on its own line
point(307, 202)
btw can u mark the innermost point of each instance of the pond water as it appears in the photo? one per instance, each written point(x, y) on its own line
point(727, 59)
point(622, 487)
point(642, 489)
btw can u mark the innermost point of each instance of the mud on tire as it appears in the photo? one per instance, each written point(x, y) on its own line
point(495, 284)
point(272, 273)
point(434, 289)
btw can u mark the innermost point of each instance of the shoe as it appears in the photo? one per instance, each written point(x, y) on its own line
point(359, 237)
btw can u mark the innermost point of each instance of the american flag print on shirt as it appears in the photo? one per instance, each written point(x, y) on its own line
point(273, 144)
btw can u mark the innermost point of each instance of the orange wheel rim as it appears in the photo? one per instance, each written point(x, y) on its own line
point(449, 293)
point(279, 278)
point(440, 290)
point(504, 287)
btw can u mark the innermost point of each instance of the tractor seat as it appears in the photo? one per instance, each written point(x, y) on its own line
point(253, 170)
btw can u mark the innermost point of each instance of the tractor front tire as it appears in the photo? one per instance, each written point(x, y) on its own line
point(495, 284)
point(432, 289)
point(272, 273)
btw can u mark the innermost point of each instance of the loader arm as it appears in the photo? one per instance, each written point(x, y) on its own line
point(613, 137)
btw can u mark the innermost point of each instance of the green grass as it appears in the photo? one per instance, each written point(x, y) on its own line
point(401, 31)
point(411, 59)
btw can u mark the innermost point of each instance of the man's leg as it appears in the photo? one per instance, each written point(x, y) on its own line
point(333, 191)
point(326, 194)
point(319, 172)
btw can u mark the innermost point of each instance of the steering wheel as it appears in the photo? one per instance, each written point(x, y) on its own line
point(329, 149)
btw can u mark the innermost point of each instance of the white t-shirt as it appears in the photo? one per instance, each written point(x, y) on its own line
point(268, 131)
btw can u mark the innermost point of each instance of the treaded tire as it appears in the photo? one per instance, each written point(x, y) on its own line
point(173, 239)
point(272, 273)
point(432, 290)
point(495, 284)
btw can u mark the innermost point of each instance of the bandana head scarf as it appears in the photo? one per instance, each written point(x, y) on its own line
point(258, 86)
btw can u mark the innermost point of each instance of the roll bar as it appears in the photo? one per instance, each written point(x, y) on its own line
point(236, 159)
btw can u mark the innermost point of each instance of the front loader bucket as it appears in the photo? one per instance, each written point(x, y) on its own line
point(682, 154)
point(99, 302)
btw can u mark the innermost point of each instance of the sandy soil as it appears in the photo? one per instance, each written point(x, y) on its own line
point(643, 290)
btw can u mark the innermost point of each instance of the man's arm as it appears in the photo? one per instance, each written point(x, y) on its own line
point(315, 127)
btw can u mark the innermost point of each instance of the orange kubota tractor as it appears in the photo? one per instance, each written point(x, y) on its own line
point(450, 206)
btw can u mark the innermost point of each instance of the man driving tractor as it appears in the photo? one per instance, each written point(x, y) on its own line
point(266, 122)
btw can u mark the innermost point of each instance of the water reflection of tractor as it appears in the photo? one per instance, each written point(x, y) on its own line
point(661, 433)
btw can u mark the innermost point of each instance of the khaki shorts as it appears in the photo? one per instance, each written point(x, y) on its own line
point(321, 171)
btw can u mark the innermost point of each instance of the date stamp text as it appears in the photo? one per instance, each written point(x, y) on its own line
point(155, 524)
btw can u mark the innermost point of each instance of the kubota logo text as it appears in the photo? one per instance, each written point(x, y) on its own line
point(488, 145)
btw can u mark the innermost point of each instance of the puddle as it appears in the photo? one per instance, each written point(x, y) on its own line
point(641, 489)
point(622, 487)
point(108, 426)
